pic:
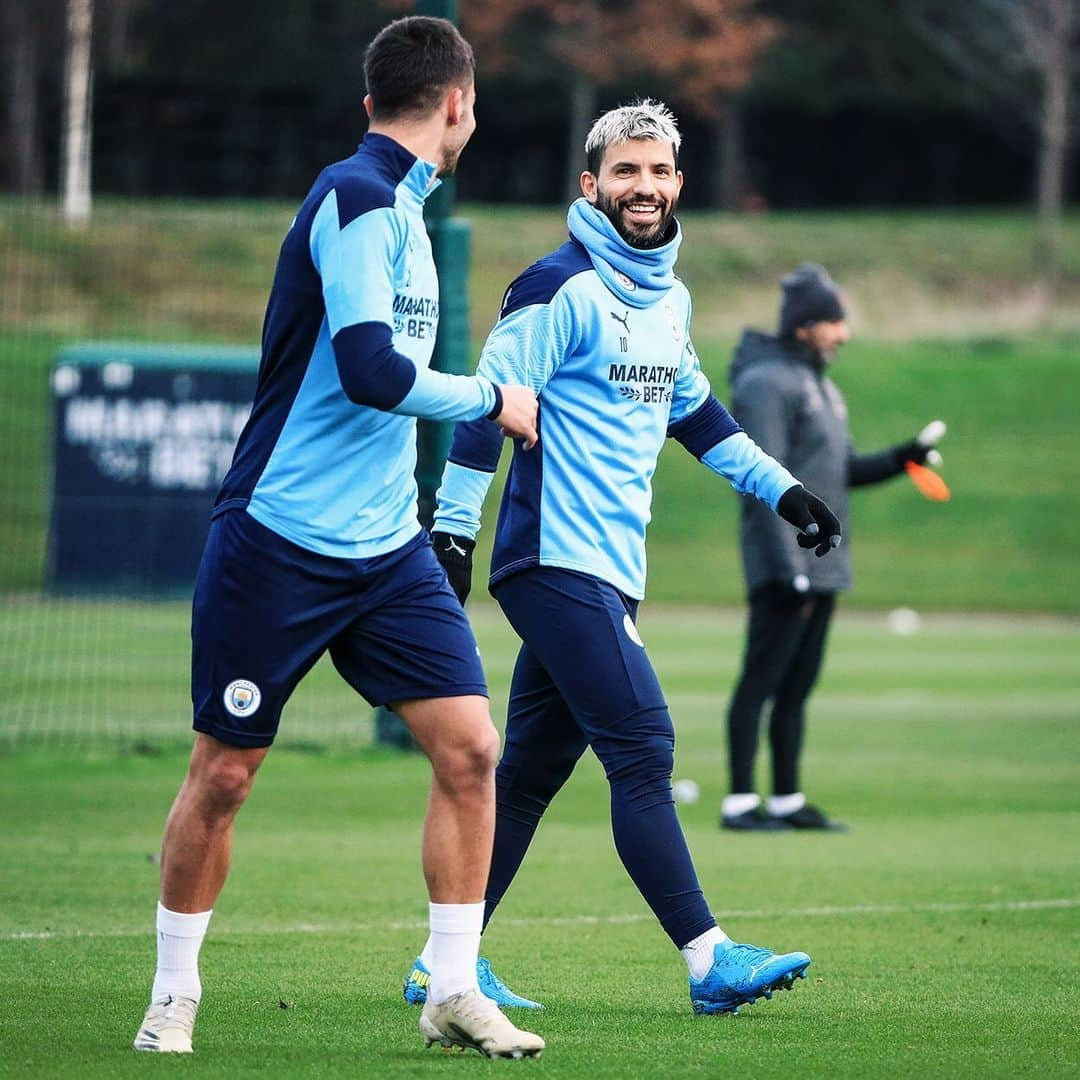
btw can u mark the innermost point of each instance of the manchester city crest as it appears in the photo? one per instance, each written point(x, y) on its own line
point(676, 333)
point(242, 697)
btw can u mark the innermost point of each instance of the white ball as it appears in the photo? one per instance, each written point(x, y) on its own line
point(685, 791)
point(904, 622)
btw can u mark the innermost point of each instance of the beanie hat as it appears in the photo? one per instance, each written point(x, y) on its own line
point(809, 296)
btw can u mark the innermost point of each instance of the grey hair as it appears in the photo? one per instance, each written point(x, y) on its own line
point(646, 119)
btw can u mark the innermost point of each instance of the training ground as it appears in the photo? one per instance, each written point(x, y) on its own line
point(944, 928)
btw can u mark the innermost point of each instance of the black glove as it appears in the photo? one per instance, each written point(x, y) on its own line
point(819, 527)
point(911, 451)
point(455, 554)
point(923, 448)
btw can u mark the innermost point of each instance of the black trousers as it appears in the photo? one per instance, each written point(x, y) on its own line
point(785, 645)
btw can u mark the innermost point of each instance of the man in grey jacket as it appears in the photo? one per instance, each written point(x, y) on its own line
point(783, 398)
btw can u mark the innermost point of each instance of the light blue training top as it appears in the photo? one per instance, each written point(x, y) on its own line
point(327, 458)
point(600, 331)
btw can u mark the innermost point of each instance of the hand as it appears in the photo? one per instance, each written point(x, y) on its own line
point(921, 449)
point(518, 416)
point(455, 555)
point(929, 437)
point(819, 527)
point(932, 434)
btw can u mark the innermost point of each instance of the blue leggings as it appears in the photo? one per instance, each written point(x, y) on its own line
point(582, 678)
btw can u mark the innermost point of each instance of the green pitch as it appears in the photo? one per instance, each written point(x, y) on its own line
point(944, 929)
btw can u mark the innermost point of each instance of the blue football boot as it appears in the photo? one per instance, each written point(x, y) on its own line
point(414, 989)
point(740, 974)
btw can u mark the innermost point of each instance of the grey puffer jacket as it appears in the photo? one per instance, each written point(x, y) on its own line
point(788, 405)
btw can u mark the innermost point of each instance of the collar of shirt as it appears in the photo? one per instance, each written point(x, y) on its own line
point(638, 276)
point(415, 176)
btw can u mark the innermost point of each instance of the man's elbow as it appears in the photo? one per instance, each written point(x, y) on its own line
point(371, 393)
point(371, 371)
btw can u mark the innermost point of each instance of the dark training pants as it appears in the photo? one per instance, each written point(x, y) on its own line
point(583, 678)
point(785, 645)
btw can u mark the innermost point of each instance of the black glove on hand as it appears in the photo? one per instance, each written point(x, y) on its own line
point(455, 554)
point(923, 448)
point(911, 451)
point(819, 527)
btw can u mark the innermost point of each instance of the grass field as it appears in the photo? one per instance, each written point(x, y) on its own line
point(947, 325)
point(1006, 542)
point(188, 270)
point(945, 928)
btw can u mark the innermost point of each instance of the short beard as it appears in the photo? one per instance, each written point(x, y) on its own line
point(448, 163)
point(642, 241)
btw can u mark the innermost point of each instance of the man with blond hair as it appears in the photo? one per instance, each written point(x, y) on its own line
point(600, 329)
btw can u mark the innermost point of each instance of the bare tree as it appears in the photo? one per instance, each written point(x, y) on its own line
point(21, 57)
point(699, 51)
point(114, 23)
point(78, 96)
point(705, 50)
point(566, 42)
point(1048, 30)
point(1020, 56)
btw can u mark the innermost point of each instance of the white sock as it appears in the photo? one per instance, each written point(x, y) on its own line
point(739, 803)
point(179, 938)
point(425, 956)
point(779, 805)
point(455, 945)
point(698, 953)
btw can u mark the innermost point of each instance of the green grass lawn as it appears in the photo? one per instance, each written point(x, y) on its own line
point(944, 928)
point(1005, 542)
point(946, 324)
point(199, 271)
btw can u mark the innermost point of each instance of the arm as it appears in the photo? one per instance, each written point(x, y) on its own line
point(470, 468)
point(766, 414)
point(873, 468)
point(711, 434)
point(525, 348)
point(356, 266)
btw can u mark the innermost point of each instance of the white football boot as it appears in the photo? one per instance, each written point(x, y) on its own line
point(167, 1026)
point(470, 1019)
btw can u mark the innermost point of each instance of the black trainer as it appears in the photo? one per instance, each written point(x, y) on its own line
point(755, 820)
point(809, 817)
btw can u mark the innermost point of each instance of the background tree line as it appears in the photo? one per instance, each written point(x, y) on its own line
point(785, 103)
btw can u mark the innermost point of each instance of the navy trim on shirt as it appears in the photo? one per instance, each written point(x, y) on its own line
point(706, 426)
point(546, 277)
point(371, 370)
point(477, 445)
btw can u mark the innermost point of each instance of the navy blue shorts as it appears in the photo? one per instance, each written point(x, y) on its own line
point(266, 609)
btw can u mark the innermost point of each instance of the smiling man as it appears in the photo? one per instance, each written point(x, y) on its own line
point(640, 190)
point(600, 330)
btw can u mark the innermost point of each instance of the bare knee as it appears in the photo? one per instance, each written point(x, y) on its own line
point(466, 761)
point(219, 782)
point(458, 737)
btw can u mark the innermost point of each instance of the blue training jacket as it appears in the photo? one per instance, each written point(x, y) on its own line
point(327, 457)
point(601, 332)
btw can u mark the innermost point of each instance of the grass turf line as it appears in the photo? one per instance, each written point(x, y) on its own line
point(953, 753)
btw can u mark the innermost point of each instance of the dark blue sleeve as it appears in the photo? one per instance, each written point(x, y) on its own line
point(371, 370)
point(477, 445)
point(706, 426)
